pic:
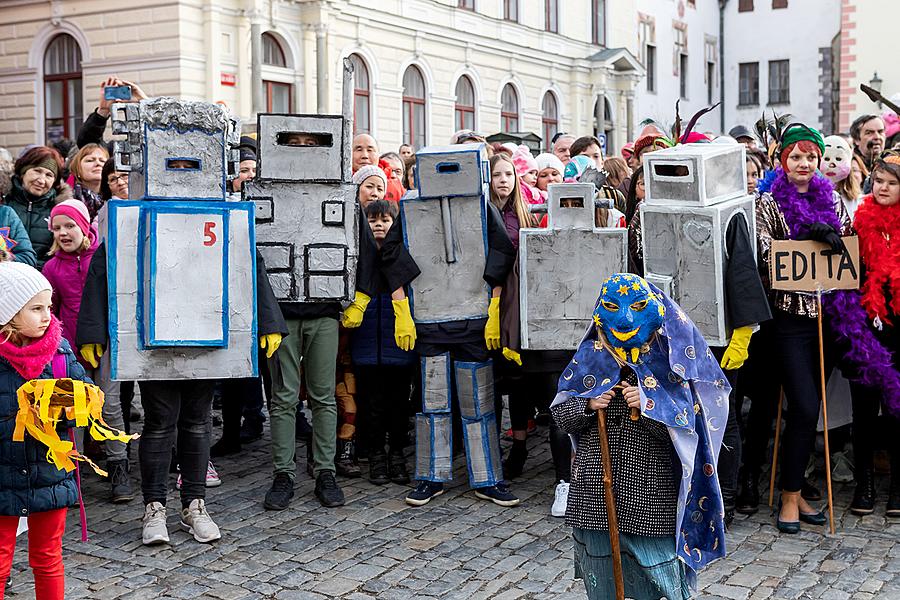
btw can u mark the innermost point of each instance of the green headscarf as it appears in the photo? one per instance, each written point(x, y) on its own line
point(797, 132)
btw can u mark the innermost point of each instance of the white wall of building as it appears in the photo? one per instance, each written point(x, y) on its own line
point(802, 33)
point(701, 20)
point(195, 48)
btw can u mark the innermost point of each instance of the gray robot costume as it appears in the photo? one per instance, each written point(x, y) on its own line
point(457, 237)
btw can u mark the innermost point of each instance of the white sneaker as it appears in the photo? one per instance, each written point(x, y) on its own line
point(197, 522)
point(212, 476)
point(560, 500)
point(154, 531)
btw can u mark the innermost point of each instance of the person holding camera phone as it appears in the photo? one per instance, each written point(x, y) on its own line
point(95, 124)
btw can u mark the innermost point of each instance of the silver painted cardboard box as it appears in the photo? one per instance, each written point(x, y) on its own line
point(181, 263)
point(307, 215)
point(684, 255)
point(561, 269)
point(695, 174)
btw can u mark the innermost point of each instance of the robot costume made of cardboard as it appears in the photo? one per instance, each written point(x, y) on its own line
point(445, 228)
point(561, 268)
point(307, 216)
point(694, 193)
point(181, 259)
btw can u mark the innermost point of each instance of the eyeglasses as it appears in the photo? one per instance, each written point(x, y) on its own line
point(114, 179)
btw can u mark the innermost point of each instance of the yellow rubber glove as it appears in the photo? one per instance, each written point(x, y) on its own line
point(492, 328)
point(404, 327)
point(513, 356)
point(353, 314)
point(736, 353)
point(270, 343)
point(91, 354)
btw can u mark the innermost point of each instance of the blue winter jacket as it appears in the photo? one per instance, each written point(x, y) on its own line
point(373, 341)
point(28, 481)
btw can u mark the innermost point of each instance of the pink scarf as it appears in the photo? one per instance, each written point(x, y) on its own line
point(29, 361)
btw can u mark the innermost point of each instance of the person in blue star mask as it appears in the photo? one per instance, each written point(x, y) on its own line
point(645, 364)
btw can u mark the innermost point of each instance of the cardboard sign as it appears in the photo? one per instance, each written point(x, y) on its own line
point(808, 266)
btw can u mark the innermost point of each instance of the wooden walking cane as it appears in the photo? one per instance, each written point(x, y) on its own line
point(824, 411)
point(610, 505)
point(775, 449)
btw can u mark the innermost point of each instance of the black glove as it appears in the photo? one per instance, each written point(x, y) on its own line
point(823, 232)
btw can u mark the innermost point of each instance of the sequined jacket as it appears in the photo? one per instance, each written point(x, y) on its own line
point(770, 225)
point(642, 462)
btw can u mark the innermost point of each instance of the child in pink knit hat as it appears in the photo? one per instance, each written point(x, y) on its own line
point(527, 171)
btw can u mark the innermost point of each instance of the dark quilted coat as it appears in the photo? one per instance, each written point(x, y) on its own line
point(373, 341)
point(28, 481)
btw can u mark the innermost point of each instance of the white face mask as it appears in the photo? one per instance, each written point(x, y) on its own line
point(836, 160)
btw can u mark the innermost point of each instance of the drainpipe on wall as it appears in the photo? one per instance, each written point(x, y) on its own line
point(722, 5)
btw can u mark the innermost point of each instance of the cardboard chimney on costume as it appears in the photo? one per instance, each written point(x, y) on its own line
point(561, 268)
point(693, 193)
point(180, 258)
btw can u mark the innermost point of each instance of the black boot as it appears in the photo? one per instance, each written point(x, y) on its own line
point(378, 468)
point(893, 506)
point(810, 492)
point(747, 500)
point(119, 481)
point(345, 462)
point(397, 467)
point(515, 462)
point(864, 496)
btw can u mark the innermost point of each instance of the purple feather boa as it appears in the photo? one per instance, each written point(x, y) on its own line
point(847, 318)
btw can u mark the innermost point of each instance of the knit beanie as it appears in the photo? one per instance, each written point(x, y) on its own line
point(523, 160)
point(576, 166)
point(547, 160)
point(75, 210)
point(367, 171)
point(19, 283)
point(48, 163)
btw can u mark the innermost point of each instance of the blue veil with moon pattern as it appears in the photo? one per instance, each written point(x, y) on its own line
point(682, 387)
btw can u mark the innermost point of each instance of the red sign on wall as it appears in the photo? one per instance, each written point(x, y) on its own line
point(229, 79)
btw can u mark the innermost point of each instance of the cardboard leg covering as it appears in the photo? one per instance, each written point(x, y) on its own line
point(434, 425)
point(475, 390)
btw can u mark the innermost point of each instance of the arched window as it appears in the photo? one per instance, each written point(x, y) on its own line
point(279, 95)
point(607, 120)
point(414, 108)
point(509, 109)
point(273, 55)
point(63, 110)
point(465, 104)
point(361, 114)
point(549, 119)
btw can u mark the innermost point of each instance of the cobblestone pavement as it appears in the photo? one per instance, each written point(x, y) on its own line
point(456, 547)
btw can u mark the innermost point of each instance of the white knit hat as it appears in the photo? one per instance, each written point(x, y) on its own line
point(546, 159)
point(19, 283)
point(367, 171)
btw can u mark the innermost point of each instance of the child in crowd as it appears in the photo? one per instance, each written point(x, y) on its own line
point(30, 337)
point(383, 364)
point(74, 242)
point(550, 170)
point(662, 394)
point(527, 171)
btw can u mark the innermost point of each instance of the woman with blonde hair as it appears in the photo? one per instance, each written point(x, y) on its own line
point(87, 175)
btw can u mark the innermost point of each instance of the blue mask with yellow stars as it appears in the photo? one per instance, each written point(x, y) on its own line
point(628, 313)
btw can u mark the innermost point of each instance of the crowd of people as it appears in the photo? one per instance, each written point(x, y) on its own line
point(356, 368)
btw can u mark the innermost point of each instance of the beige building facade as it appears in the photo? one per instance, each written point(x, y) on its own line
point(425, 68)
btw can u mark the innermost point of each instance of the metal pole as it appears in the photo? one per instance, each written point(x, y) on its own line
point(257, 98)
point(321, 69)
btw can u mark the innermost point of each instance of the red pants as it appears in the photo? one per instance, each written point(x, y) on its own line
point(45, 532)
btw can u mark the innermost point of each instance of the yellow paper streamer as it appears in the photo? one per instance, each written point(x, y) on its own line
point(43, 402)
